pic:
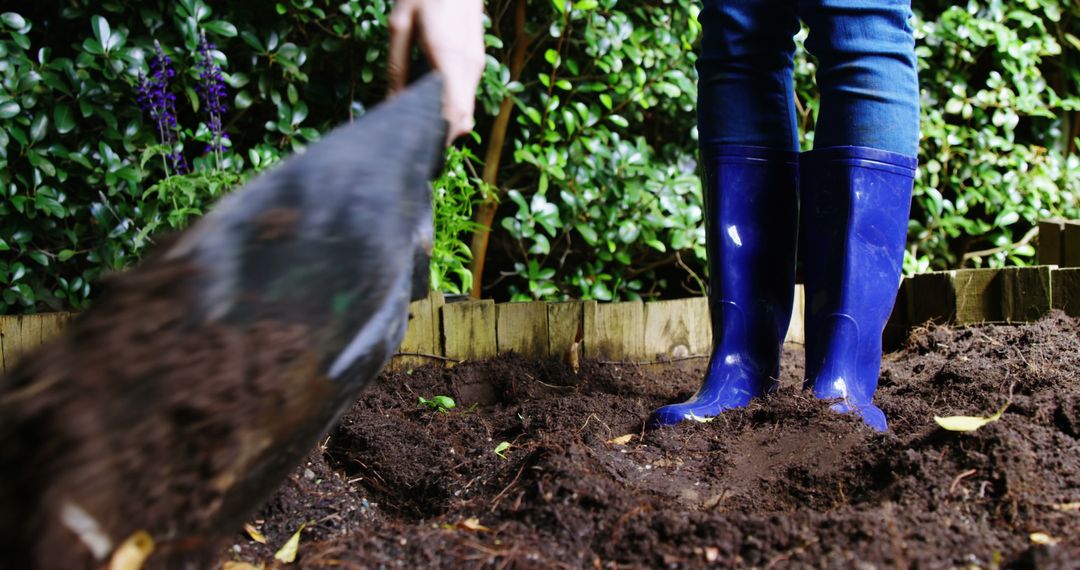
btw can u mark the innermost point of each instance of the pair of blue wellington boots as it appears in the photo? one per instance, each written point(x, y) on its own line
point(846, 209)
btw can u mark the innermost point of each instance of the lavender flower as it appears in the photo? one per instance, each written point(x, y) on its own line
point(212, 94)
point(159, 103)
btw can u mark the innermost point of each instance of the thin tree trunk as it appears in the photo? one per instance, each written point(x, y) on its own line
point(485, 213)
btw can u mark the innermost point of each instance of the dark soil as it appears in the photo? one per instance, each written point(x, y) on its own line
point(782, 483)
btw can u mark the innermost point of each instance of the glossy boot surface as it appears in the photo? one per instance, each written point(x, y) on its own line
point(854, 216)
point(751, 204)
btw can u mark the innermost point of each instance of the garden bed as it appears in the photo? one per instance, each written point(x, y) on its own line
point(782, 483)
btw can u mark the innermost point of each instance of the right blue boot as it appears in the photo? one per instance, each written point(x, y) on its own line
point(751, 214)
point(856, 202)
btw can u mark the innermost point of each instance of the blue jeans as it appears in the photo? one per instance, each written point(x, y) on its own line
point(866, 73)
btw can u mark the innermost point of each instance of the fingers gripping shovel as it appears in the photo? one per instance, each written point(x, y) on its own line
point(199, 380)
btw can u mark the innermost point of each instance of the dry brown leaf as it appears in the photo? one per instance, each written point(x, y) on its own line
point(254, 533)
point(1042, 538)
point(968, 423)
point(287, 553)
point(573, 356)
point(242, 566)
point(133, 552)
point(472, 524)
point(622, 439)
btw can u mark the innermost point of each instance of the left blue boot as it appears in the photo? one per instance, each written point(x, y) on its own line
point(751, 207)
point(853, 229)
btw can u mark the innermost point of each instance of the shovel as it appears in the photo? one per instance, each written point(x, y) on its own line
point(184, 396)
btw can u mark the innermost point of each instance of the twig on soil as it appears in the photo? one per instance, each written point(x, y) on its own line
point(428, 355)
point(495, 501)
point(959, 478)
point(626, 517)
point(992, 341)
point(787, 555)
point(996, 342)
point(648, 362)
point(545, 384)
point(591, 416)
point(897, 538)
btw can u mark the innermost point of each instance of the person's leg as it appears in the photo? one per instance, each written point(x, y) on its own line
point(745, 86)
point(866, 73)
point(749, 158)
point(856, 192)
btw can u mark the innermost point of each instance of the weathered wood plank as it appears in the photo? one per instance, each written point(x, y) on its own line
point(20, 334)
point(522, 328)
point(565, 330)
point(614, 331)
point(1026, 293)
point(676, 328)
point(1070, 244)
point(796, 333)
point(423, 335)
point(1050, 242)
point(896, 328)
point(978, 295)
point(468, 329)
point(931, 298)
point(1065, 290)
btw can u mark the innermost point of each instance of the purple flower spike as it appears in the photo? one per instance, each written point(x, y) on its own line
point(212, 94)
point(155, 100)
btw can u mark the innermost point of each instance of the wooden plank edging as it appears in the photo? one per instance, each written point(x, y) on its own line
point(657, 331)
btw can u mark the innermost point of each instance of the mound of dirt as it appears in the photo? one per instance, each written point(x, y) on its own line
point(781, 483)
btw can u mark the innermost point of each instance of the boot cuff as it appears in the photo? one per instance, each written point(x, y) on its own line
point(864, 156)
point(729, 151)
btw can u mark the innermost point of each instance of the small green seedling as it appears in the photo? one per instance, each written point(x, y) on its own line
point(439, 403)
point(502, 448)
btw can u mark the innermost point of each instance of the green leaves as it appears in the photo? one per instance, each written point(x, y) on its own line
point(9, 109)
point(457, 192)
point(13, 20)
point(994, 160)
point(600, 151)
point(603, 139)
point(63, 118)
point(442, 404)
point(221, 28)
point(102, 31)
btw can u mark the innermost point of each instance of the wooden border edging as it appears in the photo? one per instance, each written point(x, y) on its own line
point(22, 333)
point(660, 331)
point(1059, 243)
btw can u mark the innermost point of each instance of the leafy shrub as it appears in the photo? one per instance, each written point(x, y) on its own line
point(85, 186)
point(1001, 91)
point(584, 165)
point(456, 192)
point(604, 138)
point(606, 118)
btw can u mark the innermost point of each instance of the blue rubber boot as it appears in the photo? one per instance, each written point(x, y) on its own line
point(855, 207)
point(752, 211)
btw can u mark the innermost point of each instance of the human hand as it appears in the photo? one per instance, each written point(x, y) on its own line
point(451, 33)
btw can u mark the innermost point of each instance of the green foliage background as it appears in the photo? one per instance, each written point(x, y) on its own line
point(597, 179)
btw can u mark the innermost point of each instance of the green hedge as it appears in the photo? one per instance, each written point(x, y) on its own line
point(592, 102)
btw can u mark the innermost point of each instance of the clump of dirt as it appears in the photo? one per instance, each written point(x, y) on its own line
point(783, 482)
